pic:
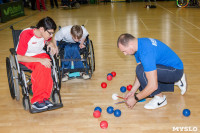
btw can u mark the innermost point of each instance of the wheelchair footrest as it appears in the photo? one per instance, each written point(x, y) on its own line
point(74, 70)
point(55, 106)
point(33, 111)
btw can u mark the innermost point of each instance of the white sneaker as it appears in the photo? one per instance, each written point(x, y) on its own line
point(65, 78)
point(85, 76)
point(182, 84)
point(156, 102)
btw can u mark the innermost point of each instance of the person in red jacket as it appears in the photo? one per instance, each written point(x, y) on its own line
point(31, 54)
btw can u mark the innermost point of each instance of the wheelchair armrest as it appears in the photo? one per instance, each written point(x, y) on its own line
point(12, 51)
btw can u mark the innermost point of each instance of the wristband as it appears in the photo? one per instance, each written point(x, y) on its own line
point(136, 98)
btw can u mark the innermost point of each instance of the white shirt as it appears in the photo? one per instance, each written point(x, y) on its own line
point(29, 44)
point(65, 34)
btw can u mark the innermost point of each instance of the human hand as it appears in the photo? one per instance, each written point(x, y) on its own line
point(46, 62)
point(130, 102)
point(54, 48)
point(81, 46)
point(131, 93)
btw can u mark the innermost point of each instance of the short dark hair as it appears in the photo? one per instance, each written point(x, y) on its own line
point(77, 31)
point(47, 23)
point(124, 39)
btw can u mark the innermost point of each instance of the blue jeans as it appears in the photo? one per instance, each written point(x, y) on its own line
point(167, 76)
point(71, 51)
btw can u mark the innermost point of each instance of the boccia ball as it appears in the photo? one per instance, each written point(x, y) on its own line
point(110, 110)
point(98, 108)
point(104, 124)
point(123, 89)
point(129, 87)
point(114, 96)
point(103, 85)
point(97, 114)
point(110, 74)
point(109, 78)
point(186, 112)
point(113, 73)
point(117, 113)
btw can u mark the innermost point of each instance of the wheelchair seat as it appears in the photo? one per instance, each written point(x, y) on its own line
point(24, 68)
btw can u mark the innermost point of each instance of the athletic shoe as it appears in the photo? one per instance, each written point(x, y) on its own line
point(156, 102)
point(65, 78)
point(85, 76)
point(182, 84)
point(47, 102)
point(39, 105)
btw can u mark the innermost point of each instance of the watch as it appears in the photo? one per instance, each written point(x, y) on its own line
point(136, 98)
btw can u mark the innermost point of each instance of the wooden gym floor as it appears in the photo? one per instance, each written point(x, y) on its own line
point(178, 28)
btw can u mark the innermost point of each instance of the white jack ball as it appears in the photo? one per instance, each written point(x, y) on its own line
point(114, 96)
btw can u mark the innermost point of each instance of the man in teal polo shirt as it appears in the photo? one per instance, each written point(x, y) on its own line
point(158, 70)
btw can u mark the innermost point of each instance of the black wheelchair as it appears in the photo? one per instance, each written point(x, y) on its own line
point(87, 57)
point(20, 75)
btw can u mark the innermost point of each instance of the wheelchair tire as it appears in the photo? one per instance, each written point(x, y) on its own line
point(91, 59)
point(10, 78)
point(182, 3)
point(15, 79)
point(55, 97)
point(77, 5)
point(25, 102)
point(59, 72)
point(93, 56)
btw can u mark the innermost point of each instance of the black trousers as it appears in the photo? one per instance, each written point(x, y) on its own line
point(33, 4)
point(52, 3)
point(166, 76)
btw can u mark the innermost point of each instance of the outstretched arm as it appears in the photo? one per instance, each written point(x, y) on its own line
point(149, 89)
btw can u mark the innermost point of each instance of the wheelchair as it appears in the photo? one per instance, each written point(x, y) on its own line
point(87, 57)
point(20, 75)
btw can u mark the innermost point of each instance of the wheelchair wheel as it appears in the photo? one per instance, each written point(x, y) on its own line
point(58, 64)
point(12, 78)
point(182, 3)
point(55, 97)
point(25, 102)
point(91, 58)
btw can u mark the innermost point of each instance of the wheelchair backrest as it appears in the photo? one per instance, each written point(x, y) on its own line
point(15, 34)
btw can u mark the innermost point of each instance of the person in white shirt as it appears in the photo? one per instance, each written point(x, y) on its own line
point(74, 36)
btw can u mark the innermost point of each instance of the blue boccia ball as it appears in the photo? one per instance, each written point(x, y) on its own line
point(110, 74)
point(98, 108)
point(186, 112)
point(110, 110)
point(123, 89)
point(117, 113)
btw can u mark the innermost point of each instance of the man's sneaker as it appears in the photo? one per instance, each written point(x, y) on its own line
point(182, 84)
point(39, 105)
point(47, 102)
point(85, 76)
point(156, 102)
point(65, 78)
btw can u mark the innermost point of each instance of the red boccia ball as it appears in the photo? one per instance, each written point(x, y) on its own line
point(113, 73)
point(129, 87)
point(109, 77)
point(96, 114)
point(104, 124)
point(103, 85)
